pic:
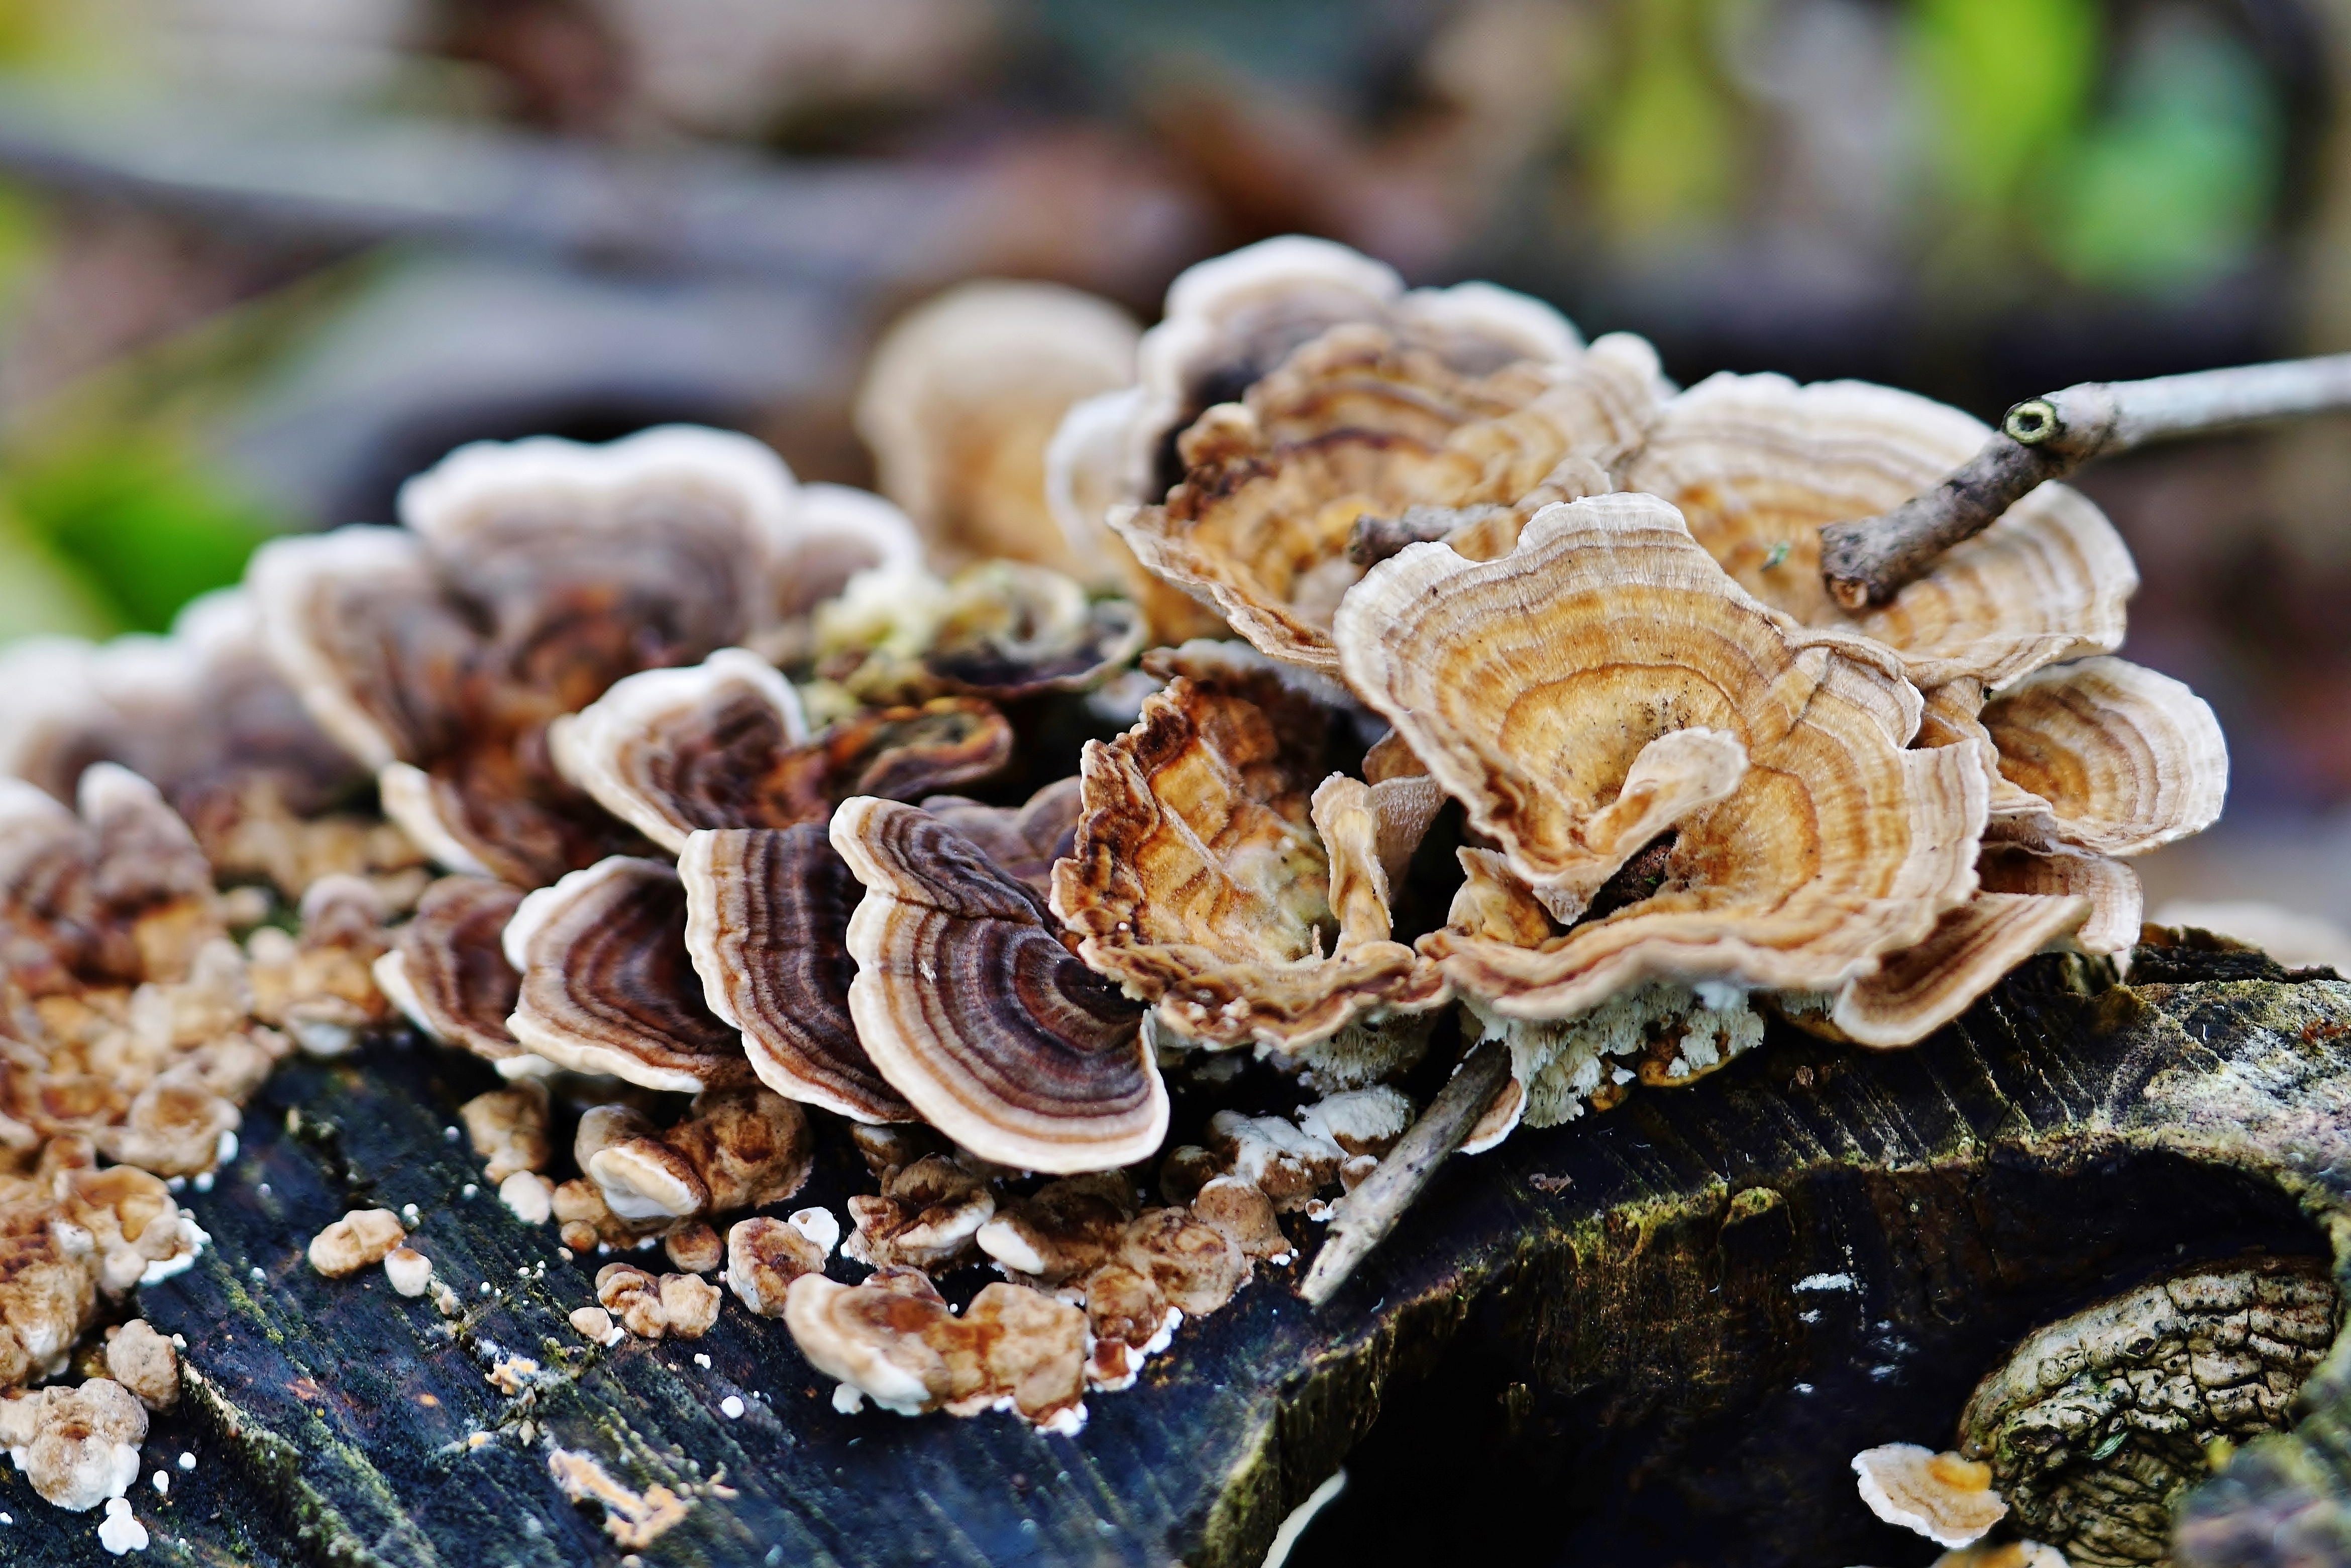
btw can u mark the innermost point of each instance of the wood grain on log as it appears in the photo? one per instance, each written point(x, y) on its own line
point(1654, 1335)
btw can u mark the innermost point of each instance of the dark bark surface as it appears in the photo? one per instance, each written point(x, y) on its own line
point(1651, 1336)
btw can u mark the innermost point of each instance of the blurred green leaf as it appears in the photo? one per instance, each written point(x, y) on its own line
point(24, 235)
point(149, 527)
point(2006, 82)
point(1666, 151)
point(2175, 185)
point(41, 594)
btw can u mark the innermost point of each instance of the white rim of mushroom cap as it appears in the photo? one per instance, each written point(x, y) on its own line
point(961, 1072)
point(1943, 1497)
point(599, 748)
point(1809, 688)
point(2118, 758)
point(529, 943)
point(284, 576)
point(1288, 290)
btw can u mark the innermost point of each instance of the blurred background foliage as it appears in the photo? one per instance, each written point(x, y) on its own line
point(260, 259)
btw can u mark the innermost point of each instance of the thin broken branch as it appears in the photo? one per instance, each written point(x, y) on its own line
point(1869, 561)
point(1367, 1214)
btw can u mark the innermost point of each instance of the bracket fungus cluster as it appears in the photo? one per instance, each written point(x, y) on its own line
point(1277, 704)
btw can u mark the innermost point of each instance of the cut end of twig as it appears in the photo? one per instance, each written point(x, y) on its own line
point(1856, 572)
point(2030, 423)
point(1868, 562)
point(1367, 1214)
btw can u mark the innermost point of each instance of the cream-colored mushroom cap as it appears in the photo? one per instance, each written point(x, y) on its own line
point(1356, 424)
point(1922, 988)
point(961, 397)
point(607, 985)
point(970, 1006)
point(1943, 1497)
point(1608, 669)
point(2116, 900)
point(2120, 759)
point(908, 1351)
point(1231, 318)
point(1216, 855)
point(1758, 464)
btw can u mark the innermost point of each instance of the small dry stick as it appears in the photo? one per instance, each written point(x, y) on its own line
point(1367, 1214)
point(1869, 561)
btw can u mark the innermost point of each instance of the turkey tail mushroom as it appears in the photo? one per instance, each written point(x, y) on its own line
point(606, 983)
point(973, 1008)
point(767, 924)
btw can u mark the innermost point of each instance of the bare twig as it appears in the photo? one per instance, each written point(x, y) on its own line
point(1869, 561)
point(1367, 1214)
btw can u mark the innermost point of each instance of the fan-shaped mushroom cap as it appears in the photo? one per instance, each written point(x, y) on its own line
point(118, 895)
point(724, 743)
point(1196, 1266)
point(448, 971)
point(902, 753)
point(1538, 687)
point(925, 1216)
point(767, 924)
point(1064, 1229)
point(1758, 464)
point(1228, 322)
point(1231, 320)
point(1024, 840)
point(360, 622)
point(974, 1010)
point(1213, 854)
point(644, 1178)
point(579, 565)
point(1920, 988)
point(669, 752)
point(202, 713)
point(910, 1352)
point(2119, 758)
point(961, 397)
point(671, 528)
point(607, 985)
point(147, 869)
point(1000, 629)
point(1355, 424)
point(831, 535)
point(2027, 902)
point(2117, 901)
point(356, 621)
point(1943, 1497)
point(749, 1145)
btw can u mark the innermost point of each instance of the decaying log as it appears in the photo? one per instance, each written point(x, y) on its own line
point(1652, 1336)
